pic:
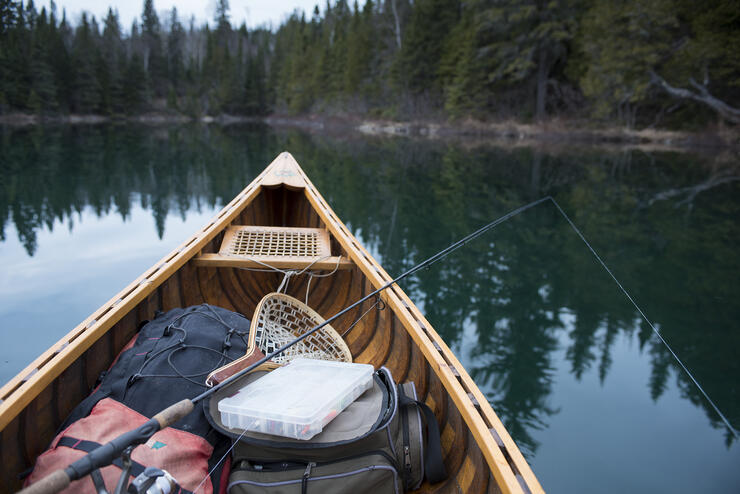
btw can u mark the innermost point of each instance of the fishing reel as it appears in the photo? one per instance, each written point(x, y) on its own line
point(153, 481)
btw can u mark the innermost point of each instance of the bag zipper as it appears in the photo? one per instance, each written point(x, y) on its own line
point(306, 476)
point(406, 440)
point(297, 463)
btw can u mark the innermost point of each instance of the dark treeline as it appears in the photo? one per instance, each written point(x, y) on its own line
point(659, 63)
point(49, 66)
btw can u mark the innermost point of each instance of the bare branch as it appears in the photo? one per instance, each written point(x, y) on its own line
point(693, 191)
point(703, 96)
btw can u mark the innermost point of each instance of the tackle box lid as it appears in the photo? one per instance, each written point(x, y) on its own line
point(298, 399)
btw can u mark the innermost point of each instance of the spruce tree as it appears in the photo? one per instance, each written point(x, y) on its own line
point(87, 97)
point(43, 86)
point(112, 64)
point(175, 47)
point(430, 24)
point(153, 58)
point(359, 51)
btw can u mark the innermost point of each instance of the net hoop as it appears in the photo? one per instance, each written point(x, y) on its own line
point(280, 318)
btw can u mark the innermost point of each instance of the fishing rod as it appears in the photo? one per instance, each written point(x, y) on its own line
point(105, 454)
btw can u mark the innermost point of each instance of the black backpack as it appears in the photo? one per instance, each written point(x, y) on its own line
point(168, 362)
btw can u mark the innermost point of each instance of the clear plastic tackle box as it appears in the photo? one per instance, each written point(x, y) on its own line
point(298, 399)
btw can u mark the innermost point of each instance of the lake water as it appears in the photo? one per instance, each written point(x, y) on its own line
point(585, 388)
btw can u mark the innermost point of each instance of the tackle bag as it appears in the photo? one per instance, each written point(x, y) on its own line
point(377, 444)
point(167, 362)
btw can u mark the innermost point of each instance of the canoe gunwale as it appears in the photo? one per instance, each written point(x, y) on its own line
point(30, 382)
point(507, 465)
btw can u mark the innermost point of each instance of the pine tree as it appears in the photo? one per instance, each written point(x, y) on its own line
point(43, 86)
point(8, 20)
point(154, 62)
point(359, 51)
point(112, 64)
point(17, 55)
point(87, 97)
point(622, 42)
point(61, 61)
point(423, 46)
point(462, 71)
point(8, 10)
point(134, 85)
point(525, 40)
point(175, 47)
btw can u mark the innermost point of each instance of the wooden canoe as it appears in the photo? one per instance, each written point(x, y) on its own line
point(479, 453)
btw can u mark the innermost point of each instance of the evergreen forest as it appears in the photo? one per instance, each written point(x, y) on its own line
point(633, 63)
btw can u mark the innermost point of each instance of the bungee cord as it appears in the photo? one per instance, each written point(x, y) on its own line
point(287, 273)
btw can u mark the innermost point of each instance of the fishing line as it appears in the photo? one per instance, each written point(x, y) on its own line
point(233, 444)
point(655, 330)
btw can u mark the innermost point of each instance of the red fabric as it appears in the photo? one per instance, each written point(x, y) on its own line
point(182, 454)
point(224, 487)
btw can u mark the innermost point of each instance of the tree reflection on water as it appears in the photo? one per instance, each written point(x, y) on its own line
point(665, 222)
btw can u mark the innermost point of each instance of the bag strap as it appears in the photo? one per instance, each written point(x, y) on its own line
point(434, 467)
point(88, 446)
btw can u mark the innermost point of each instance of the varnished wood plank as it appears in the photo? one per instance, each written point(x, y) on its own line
point(212, 290)
point(12, 456)
point(222, 261)
point(342, 293)
point(284, 171)
point(242, 278)
point(418, 373)
point(400, 355)
point(233, 289)
point(189, 287)
point(359, 337)
point(397, 358)
point(475, 464)
point(377, 350)
point(171, 294)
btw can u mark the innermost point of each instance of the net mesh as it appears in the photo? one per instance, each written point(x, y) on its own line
point(280, 318)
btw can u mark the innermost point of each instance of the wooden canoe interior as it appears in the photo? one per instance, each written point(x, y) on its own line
point(378, 338)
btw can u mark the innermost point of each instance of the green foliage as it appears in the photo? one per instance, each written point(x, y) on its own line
point(87, 87)
point(624, 40)
point(388, 58)
point(134, 85)
point(461, 71)
point(359, 51)
point(431, 22)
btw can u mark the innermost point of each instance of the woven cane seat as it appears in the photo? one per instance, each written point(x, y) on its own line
point(280, 318)
point(268, 243)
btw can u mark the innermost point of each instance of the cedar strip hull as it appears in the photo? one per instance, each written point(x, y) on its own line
point(398, 337)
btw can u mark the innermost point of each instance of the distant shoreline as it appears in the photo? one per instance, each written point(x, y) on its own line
point(552, 132)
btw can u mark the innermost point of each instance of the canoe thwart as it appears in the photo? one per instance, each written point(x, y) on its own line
point(220, 261)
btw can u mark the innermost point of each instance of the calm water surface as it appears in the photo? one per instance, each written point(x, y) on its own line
point(583, 385)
